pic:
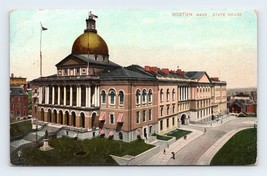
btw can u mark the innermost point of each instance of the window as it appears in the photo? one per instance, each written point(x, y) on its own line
point(168, 110)
point(77, 71)
point(173, 94)
point(137, 96)
point(112, 96)
point(167, 123)
point(173, 121)
point(144, 116)
point(161, 95)
point(150, 114)
point(137, 117)
point(103, 97)
point(173, 109)
point(121, 97)
point(168, 94)
point(161, 111)
point(144, 96)
point(66, 72)
point(161, 125)
point(18, 98)
point(150, 129)
point(18, 105)
point(111, 119)
point(150, 96)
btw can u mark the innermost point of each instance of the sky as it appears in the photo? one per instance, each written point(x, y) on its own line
point(221, 42)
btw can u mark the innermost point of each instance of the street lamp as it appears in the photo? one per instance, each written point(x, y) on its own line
point(19, 155)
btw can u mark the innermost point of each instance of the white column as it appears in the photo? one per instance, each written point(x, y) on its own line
point(98, 104)
point(65, 98)
point(70, 95)
point(186, 93)
point(183, 93)
point(89, 96)
point(180, 93)
point(80, 95)
point(189, 91)
point(53, 95)
point(40, 95)
point(86, 96)
point(46, 95)
point(58, 95)
point(77, 96)
point(95, 96)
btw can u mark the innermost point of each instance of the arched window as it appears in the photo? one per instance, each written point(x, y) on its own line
point(112, 95)
point(173, 94)
point(161, 95)
point(150, 96)
point(103, 97)
point(144, 96)
point(168, 94)
point(138, 96)
point(121, 97)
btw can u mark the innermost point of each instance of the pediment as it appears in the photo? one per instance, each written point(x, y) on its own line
point(70, 61)
point(204, 78)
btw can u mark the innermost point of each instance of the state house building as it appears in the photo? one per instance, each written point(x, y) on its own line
point(95, 96)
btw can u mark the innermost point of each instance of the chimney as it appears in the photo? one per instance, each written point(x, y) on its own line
point(215, 79)
point(154, 70)
point(165, 71)
point(180, 72)
point(147, 68)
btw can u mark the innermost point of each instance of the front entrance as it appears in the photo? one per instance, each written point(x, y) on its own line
point(183, 119)
point(145, 133)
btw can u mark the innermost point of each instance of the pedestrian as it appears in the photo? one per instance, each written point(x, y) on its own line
point(221, 121)
point(173, 155)
point(67, 133)
point(205, 130)
point(167, 145)
point(185, 136)
point(164, 151)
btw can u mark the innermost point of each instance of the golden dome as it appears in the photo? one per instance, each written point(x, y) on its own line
point(90, 40)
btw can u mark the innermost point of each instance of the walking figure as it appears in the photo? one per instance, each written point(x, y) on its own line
point(164, 151)
point(185, 137)
point(167, 145)
point(173, 155)
point(205, 130)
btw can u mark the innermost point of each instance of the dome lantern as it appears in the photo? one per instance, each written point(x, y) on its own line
point(90, 44)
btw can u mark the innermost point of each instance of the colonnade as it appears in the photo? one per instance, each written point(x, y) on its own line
point(70, 95)
point(184, 93)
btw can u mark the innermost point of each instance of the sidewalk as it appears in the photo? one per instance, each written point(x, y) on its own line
point(216, 123)
point(206, 158)
point(162, 159)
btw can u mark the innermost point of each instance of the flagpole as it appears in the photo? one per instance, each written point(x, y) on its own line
point(41, 49)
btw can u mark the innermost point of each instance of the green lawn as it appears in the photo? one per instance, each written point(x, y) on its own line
point(164, 138)
point(97, 152)
point(178, 133)
point(241, 149)
point(20, 128)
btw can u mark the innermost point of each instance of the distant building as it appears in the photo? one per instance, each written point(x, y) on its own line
point(18, 103)
point(17, 81)
point(242, 103)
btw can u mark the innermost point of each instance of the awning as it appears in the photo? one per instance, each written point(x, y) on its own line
point(138, 132)
point(102, 116)
point(110, 133)
point(119, 119)
point(102, 131)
